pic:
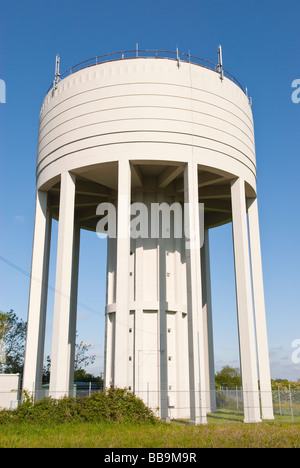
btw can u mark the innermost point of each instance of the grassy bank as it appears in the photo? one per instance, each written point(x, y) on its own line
point(117, 419)
point(160, 435)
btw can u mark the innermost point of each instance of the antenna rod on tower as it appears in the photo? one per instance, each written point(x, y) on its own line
point(177, 55)
point(57, 75)
point(220, 62)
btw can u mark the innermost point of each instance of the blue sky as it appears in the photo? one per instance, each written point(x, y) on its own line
point(260, 41)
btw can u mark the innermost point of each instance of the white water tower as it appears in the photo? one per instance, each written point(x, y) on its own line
point(149, 128)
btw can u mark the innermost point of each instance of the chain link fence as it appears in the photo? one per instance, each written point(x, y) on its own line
point(286, 402)
point(226, 403)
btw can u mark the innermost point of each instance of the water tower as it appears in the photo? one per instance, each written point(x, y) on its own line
point(150, 128)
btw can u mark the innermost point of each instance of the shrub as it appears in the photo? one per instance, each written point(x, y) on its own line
point(225, 401)
point(113, 405)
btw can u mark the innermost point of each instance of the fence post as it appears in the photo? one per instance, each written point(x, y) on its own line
point(279, 400)
point(291, 403)
point(148, 394)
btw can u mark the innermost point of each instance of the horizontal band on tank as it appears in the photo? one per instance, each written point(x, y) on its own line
point(148, 131)
point(154, 306)
point(146, 119)
point(147, 142)
point(145, 93)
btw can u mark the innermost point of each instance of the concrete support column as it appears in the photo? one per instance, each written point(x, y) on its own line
point(110, 317)
point(121, 361)
point(207, 324)
point(162, 323)
point(139, 388)
point(73, 305)
point(61, 347)
point(244, 303)
point(260, 313)
point(33, 365)
point(109, 349)
point(196, 342)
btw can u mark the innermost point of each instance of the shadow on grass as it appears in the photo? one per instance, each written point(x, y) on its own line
point(225, 417)
point(220, 417)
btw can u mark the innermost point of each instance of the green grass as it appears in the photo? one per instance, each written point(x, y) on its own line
point(224, 430)
point(118, 419)
point(226, 416)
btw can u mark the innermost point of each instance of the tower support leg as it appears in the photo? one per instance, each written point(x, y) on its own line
point(208, 324)
point(244, 303)
point(60, 375)
point(121, 355)
point(260, 314)
point(196, 341)
point(33, 365)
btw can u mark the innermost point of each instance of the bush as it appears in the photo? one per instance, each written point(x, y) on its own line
point(225, 401)
point(113, 405)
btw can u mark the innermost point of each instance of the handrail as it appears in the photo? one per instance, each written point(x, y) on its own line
point(130, 54)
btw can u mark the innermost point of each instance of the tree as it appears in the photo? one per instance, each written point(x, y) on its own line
point(4, 329)
point(228, 377)
point(82, 360)
point(12, 343)
point(82, 376)
point(12, 347)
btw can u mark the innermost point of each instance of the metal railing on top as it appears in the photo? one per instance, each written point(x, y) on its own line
point(145, 53)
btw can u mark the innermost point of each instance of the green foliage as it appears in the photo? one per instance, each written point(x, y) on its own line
point(12, 343)
point(113, 405)
point(12, 348)
point(82, 357)
point(228, 377)
point(81, 375)
point(284, 384)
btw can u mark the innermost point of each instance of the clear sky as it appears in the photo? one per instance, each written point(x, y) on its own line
point(261, 43)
